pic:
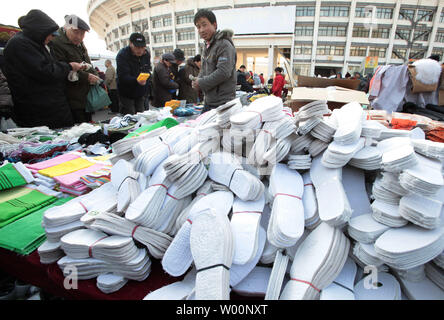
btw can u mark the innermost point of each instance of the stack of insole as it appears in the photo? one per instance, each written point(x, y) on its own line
point(238, 272)
point(394, 133)
point(387, 214)
point(316, 147)
point(305, 126)
point(88, 243)
point(386, 287)
point(372, 129)
point(226, 169)
point(109, 283)
point(366, 255)
point(311, 214)
point(397, 154)
point(299, 161)
point(301, 143)
point(225, 111)
point(338, 155)
point(390, 181)
point(245, 224)
point(349, 123)
point(197, 134)
point(148, 139)
point(318, 261)
point(124, 179)
point(50, 252)
point(429, 148)
point(382, 192)
point(354, 182)
point(137, 268)
point(368, 158)
point(422, 211)
point(255, 284)
point(60, 220)
point(324, 130)
point(145, 209)
point(423, 289)
point(313, 109)
point(189, 165)
point(286, 224)
point(277, 275)
point(155, 150)
point(409, 246)
point(265, 109)
point(435, 273)
point(178, 259)
point(342, 288)
point(211, 243)
point(333, 205)
point(110, 223)
point(425, 178)
point(278, 150)
point(365, 229)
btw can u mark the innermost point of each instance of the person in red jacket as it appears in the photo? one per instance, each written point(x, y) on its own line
point(261, 76)
point(278, 82)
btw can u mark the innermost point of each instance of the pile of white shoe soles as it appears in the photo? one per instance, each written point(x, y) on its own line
point(258, 200)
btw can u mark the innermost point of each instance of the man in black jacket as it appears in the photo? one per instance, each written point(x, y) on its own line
point(164, 84)
point(131, 61)
point(35, 78)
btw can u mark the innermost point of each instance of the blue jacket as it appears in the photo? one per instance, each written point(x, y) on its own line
point(128, 69)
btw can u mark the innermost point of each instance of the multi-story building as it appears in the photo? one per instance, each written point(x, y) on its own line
point(309, 37)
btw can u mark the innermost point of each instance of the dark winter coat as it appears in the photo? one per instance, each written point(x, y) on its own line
point(242, 81)
point(128, 69)
point(5, 97)
point(217, 78)
point(66, 51)
point(35, 78)
point(163, 83)
point(186, 91)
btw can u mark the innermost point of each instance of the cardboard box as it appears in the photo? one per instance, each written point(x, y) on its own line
point(314, 82)
point(336, 97)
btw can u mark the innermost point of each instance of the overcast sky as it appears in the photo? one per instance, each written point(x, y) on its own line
point(56, 9)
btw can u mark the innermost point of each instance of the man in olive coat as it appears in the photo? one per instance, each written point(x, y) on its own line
point(67, 47)
point(164, 84)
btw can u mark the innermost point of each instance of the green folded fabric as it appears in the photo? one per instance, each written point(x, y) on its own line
point(10, 177)
point(27, 234)
point(16, 208)
point(167, 122)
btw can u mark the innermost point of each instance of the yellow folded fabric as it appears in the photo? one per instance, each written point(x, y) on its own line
point(66, 167)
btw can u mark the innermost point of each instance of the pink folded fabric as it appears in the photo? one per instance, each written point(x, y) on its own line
point(70, 179)
point(52, 162)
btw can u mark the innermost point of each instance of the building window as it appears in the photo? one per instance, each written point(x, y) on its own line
point(361, 12)
point(381, 33)
point(377, 52)
point(399, 53)
point(421, 35)
point(438, 51)
point(189, 52)
point(301, 31)
point(441, 19)
point(305, 11)
point(117, 45)
point(168, 37)
point(334, 11)
point(356, 51)
point(417, 54)
point(332, 31)
point(439, 37)
point(406, 14)
point(330, 51)
point(425, 15)
point(157, 23)
point(361, 32)
point(167, 22)
point(158, 38)
point(403, 34)
point(158, 52)
point(186, 35)
point(302, 50)
point(189, 18)
point(384, 13)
